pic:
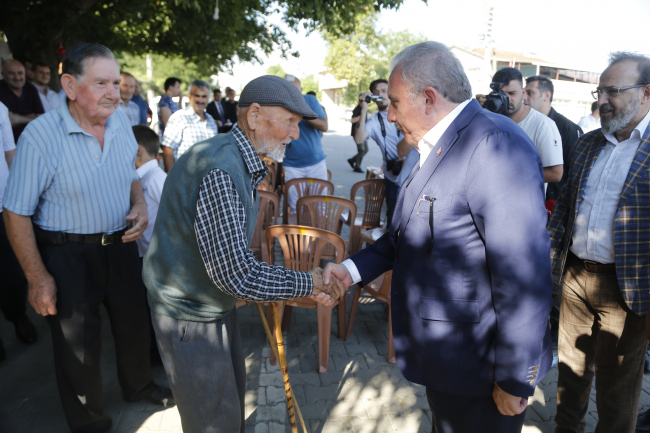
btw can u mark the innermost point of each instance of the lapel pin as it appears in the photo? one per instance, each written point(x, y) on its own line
point(438, 152)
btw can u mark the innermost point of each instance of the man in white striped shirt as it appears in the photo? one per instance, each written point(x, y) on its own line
point(72, 207)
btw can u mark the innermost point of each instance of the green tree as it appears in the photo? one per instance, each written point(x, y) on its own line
point(42, 29)
point(364, 55)
point(310, 84)
point(276, 70)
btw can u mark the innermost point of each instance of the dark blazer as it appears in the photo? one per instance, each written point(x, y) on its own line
point(475, 310)
point(631, 222)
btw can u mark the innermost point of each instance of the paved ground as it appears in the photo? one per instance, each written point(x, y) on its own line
point(361, 392)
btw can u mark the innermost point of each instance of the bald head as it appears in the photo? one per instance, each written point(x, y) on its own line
point(13, 72)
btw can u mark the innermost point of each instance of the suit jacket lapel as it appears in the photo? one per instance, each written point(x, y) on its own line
point(592, 155)
point(639, 165)
point(421, 178)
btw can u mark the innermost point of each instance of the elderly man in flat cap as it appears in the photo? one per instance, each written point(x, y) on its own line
point(198, 263)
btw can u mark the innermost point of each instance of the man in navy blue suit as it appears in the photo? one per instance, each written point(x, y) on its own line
point(469, 250)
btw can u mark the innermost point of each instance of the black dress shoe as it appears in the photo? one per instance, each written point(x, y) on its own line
point(643, 422)
point(357, 170)
point(161, 396)
point(351, 162)
point(25, 330)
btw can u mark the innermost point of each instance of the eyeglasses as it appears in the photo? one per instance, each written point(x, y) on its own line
point(612, 92)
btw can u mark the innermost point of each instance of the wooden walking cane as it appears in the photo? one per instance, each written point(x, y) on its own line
point(282, 359)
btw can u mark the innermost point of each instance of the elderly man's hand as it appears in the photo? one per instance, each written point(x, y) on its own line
point(42, 294)
point(140, 218)
point(508, 404)
point(326, 293)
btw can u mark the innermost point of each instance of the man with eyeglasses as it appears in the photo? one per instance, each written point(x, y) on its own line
point(601, 222)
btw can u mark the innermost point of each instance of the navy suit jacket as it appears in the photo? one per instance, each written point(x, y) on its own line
point(475, 311)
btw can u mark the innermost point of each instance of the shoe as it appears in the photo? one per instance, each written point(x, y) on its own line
point(25, 330)
point(643, 422)
point(646, 366)
point(351, 162)
point(161, 396)
point(357, 170)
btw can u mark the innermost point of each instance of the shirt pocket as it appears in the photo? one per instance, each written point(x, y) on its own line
point(440, 204)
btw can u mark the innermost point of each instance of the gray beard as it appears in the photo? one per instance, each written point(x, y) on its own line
point(276, 154)
point(621, 119)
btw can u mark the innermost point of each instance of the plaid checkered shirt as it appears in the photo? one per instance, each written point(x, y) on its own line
point(185, 128)
point(631, 222)
point(220, 227)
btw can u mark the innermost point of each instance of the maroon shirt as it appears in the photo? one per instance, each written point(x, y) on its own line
point(28, 103)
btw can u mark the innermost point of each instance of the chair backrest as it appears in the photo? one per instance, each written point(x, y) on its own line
point(273, 171)
point(305, 186)
point(267, 215)
point(325, 211)
point(264, 185)
point(329, 175)
point(302, 247)
point(375, 190)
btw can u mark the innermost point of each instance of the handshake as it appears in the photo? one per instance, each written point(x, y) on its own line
point(326, 293)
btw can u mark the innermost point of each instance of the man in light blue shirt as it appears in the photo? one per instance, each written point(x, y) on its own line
point(73, 206)
point(305, 156)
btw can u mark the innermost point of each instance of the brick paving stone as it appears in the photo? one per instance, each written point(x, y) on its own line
point(275, 395)
point(257, 396)
point(336, 377)
point(349, 363)
point(531, 426)
point(316, 410)
point(412, 403)
point(316, 393)
point(381, 424)
point(345, 409)
point(273, 379)
point(134, 419)
point(415, 422)
point(359, 349)
point(418, 389)
point(48, 423)
point(276, 413)
point(374, 375)
point(375, 360)
point(340, 426)
point(400, 388)
point(309, 378)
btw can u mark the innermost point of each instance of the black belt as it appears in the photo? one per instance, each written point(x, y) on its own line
point(595, 267)
point(46, 237)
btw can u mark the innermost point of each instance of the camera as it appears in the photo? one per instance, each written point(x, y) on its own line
point(394, 166)
point(370, 98)
point(497, 101)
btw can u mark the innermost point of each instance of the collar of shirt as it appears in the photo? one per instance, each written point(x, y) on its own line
point(191, 114)
point(430, 139)
point(253, 162)
point(637, 133)
point(72, 127)
point(146, 168)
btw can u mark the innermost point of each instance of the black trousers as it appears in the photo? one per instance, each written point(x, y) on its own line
point(13, 284)
point(86, 276)
point(454, 413)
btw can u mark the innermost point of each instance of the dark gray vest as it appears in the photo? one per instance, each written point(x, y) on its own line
point(177, 282)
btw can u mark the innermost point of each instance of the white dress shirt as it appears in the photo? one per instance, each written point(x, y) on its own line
point(50, 99)
point(593, 236)
point(589, 123)
point(152, 178)
point(425, 146)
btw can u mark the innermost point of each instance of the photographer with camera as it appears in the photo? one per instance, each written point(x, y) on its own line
point(387, 137)
point(507, 98)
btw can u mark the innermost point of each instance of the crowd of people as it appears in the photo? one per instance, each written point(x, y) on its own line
point(98, 208)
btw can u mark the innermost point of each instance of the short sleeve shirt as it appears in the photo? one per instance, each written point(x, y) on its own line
point(165, 101)
point(185, 128)
point(307, 150)
point(544, 134)
point(6, 144)
point(131, 110)
point(61, 176)
point(28, 103)
point(389, 145)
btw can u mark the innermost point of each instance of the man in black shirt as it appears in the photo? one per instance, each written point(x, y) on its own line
point(539, 93)
point(362, 149)
point(23, 102)
point(230, 107)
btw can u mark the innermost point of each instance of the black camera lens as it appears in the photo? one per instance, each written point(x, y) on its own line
point(494, 105)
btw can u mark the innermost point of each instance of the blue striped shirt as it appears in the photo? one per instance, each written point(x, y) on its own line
point(61, 176)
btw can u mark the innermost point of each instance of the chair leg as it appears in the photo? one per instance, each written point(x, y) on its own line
point(391, 347)
point(286, 318)
point(340, 311)
point(353, 310)
point(324, 331)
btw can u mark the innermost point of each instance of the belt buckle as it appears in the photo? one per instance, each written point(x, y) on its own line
point(105, 241)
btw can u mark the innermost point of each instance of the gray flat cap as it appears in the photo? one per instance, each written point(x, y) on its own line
point(270, 90)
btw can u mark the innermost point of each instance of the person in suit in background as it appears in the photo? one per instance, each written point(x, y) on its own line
point(471, 287)
point(215, 109)
point(600, 223)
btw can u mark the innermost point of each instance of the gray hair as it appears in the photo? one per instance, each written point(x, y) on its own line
point(643, 63)
point(432, 64)
point(74, 61)
point(200, 84)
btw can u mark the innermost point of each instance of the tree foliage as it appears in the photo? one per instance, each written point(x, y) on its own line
point(364, 55)
point(40, 29)
point(276, 70)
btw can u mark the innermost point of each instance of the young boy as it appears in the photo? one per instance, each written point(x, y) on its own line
point(151, 175)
